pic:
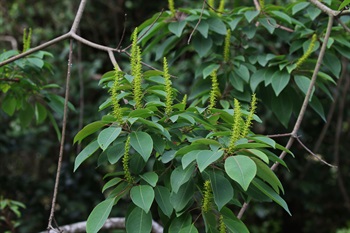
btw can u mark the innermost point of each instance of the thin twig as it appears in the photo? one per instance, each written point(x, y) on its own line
point(343, 25)
point(197, 24)
point(279, 135)
point(64, 124)
point(15, 80)
point(257, 5)
point(313, 154)
point(123, 34)
point(150, 27)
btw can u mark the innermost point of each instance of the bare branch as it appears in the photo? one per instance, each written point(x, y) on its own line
point(64, 124)
point(111, 223)
point(78, 16)
point(328, 10)
point(10, 39)
point(313, 154)
point(35, 49)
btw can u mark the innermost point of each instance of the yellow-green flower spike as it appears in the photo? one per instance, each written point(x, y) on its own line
point(127, 174)
point(262, 4)
point(221, 7)
point(250, 116)
point(171, 6)
point(308, 51)
point(211, 5)
point(207, 196)
point(222, 226)
point(227, 46)
point(168, 88)
point(184, 100)
point(27, 39)
point(215, 91)
point(117, 113)
point(136, 71)
point(236, 126)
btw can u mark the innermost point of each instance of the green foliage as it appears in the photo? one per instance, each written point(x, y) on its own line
point(170, 148)
point(10, 213)
point(25, 91)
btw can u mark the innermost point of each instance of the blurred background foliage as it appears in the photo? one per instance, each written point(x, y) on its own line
point(318, 196)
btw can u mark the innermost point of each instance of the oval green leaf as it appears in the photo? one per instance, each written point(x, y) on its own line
point(85, 153)
point(99, 215)
point(138, 221)
point(142, 196)
point(241, 169)
point(107, 136)
point(142, 143)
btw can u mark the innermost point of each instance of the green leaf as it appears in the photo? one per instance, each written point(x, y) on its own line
point(261, 155)
point(256, 78)
point(241, 169)
point(107, 136)
point(162, 196)
point(142, 143)
point(217, 25)
point(142, 196)
point(180, 199)
point(99, 215)
point(40, 113)
point(85, 153)
point(189, 229)
point(144, 113)
point(179, 222)
point(317, 107)
point(250, 15)
point(344, 4)
point(88, 130)
point(313, 12)
point(233, 23)
point(279, 81)
point(266, 174)
point(222, 189)
point(333, 63)
point(180, 176)
point(36, 62)
point(202, 45)
point(232, 223)
point(299, 6)
point(188, 158)
point(177, 27)
point(151, 178)
point(266, 140)
point(115, 152)
point(271, 194)
point(243, 72)
point(203, 28)
point(111, 183)
point(9, 105)
point(282, 16)
point(207, 157)
point(303, 83)
point(209, 69)
point(138, 221)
